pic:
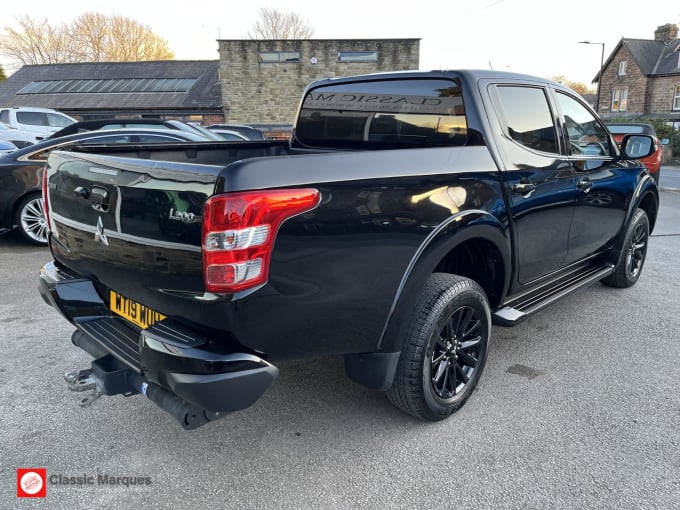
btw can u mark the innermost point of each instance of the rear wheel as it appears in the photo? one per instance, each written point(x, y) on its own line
point(30, 217)
point(444, 349)
point(634, 253)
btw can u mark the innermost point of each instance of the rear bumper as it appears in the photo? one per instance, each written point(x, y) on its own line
point(167, 353)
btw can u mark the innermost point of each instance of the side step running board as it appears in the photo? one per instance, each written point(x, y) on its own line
point(524, 307)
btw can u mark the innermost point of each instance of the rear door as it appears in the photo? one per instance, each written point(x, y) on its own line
point(538, 178)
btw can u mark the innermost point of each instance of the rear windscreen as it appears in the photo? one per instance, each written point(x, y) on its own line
point(383, 114)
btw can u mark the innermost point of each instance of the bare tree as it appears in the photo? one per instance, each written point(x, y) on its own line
point(118, 39)
point(92, 37)
point(274, 24)
point(576, 86)
point(37, 42)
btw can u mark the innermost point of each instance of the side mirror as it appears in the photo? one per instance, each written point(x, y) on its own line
point(637, 146)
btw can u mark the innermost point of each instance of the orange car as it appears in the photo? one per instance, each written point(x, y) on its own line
point(653, 162)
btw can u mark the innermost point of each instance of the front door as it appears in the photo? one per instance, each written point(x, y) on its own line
point(601, 180)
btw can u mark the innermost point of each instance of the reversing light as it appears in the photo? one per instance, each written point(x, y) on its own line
point(239, 230)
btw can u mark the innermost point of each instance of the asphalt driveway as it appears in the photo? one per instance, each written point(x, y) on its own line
point(578, 408)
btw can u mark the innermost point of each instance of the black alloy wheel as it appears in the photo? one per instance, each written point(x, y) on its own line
point(635, 254)
point(444, 348)
point(455, 355)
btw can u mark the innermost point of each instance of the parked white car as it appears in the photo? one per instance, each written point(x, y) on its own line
point(7, 147)
point(39, 122)
point(16, 136)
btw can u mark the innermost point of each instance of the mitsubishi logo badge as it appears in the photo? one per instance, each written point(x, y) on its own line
point(99, 234)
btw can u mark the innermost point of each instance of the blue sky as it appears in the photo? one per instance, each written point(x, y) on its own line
point(528, 36)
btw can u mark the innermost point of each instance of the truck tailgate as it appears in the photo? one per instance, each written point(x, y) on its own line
point(131, 222)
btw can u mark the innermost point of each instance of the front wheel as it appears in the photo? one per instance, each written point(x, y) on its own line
point(30, 217)
point(634, 253)
point(444, 349)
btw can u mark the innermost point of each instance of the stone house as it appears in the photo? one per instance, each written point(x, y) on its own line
point(641, 78)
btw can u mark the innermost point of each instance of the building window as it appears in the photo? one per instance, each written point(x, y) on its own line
point(274, 57)
point(622, 67)
point(357, 56)
point(676, 98)
point(620, 99)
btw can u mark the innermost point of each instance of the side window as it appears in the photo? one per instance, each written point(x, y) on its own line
point(31, 118)
point(528, 117)
point(41, 155)
point(156, 139)
point(56, 120)
point(105, 140)
point(587, 137)
point(4, 116)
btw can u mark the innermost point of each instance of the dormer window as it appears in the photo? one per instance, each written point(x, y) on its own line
point(622, 67)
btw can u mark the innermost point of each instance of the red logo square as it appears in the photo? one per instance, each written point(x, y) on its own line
point(31, 482)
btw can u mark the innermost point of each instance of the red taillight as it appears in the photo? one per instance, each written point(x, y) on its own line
point(46, 202)
point(239, 230)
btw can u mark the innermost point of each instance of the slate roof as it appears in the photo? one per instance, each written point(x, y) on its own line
point(645, 52)
point(654, 58)
point(204, 95)
point(668, 61)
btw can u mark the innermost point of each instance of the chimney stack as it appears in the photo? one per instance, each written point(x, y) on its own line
point(666, 33)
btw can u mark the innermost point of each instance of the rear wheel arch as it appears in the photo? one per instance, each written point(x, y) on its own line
point(478, 251)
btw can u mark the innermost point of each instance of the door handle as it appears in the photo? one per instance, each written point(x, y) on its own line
point(523, 187)
point(585, 184)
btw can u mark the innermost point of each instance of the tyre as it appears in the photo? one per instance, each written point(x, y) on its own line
point(30, 218)
point(633, 254)
point(444, 350)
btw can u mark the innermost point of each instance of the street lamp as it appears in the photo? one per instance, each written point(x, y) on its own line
point(599, 75)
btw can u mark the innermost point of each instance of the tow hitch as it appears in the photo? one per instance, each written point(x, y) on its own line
point(83, 380)
point(108, 376)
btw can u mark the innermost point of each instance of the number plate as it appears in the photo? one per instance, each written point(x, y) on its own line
point(135, 312)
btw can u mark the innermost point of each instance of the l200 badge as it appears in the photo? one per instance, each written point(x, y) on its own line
point(185, 217)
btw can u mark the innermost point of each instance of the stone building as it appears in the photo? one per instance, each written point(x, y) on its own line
point(258, 82)
point(263, 80)
point(641, 78)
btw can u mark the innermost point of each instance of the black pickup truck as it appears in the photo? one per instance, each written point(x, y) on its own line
point(408, 213)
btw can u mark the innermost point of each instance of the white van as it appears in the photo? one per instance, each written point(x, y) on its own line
point(39, 122)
